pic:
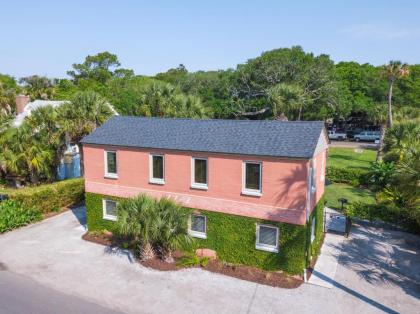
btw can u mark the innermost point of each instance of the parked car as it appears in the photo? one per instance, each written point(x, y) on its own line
point(352, 132)
point(369, 136)
point(337, 135)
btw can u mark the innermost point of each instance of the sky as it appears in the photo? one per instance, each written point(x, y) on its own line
point(47, 37)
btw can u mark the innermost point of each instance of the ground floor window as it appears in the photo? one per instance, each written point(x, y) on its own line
point(267, 238)
point(313, 230)
point(198, 226)
point(109, 209)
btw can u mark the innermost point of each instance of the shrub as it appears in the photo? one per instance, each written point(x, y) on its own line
point(50, 197)
point(380, 175)
point(384, 212)
point(12, 215)
point(344, 175)
point(192, 260)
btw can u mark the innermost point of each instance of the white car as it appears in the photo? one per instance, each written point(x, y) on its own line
point(334, 135)
point(369, 136)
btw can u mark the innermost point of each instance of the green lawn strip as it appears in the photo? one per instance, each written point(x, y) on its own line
point(350, 159)
point(353, 194)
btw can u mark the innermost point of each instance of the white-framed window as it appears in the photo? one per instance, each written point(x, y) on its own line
point(198, 226)
point(313, 230)
point(323, 166)
point(157, 169)
point(109, 208)
point(199, 173)
point(110, 162)
point(267, 238)
point(251, 178)
point(313, 176)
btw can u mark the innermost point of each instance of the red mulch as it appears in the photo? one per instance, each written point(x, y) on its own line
point(270, 278)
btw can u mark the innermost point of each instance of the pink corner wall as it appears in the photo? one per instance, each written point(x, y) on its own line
point(320, 161)
point(284, 182)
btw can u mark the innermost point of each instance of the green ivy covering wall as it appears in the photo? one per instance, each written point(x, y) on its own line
point(314, 247)
point(233, 237)
point(94, 212)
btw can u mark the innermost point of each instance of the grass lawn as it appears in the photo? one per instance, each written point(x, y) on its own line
point(353, 194)
point(349, 158)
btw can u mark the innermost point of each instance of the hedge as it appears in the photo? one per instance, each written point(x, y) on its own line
point(344, 175)
point(233, 237)
point(50, 197)
point(387, 213)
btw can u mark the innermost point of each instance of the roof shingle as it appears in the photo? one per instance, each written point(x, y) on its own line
point(292, 139)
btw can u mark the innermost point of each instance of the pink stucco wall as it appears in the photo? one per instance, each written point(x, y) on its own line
point(284, 182)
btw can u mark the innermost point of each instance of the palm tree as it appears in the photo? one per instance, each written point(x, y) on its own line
point(81, 116)
point(137, 219)
point(172, 227)
point(400, 138)
point(394, 71)
point(286, 98)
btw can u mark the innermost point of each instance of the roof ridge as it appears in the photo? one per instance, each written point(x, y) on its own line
point(230, 120)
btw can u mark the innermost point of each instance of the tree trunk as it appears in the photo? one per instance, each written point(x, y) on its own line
point(381, 143)
point(168, 258)
point(147, 252)
point(300, 113)
point(391, 84)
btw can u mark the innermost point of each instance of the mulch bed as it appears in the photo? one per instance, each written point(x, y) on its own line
point(274, 279)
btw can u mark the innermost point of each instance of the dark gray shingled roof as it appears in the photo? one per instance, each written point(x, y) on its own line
point(293, 139)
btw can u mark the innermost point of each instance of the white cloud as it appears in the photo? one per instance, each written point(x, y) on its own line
point(380, 32)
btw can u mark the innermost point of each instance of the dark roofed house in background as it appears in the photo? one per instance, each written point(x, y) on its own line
point(255, 187)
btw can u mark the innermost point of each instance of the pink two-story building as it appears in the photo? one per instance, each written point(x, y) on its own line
point(271, 172)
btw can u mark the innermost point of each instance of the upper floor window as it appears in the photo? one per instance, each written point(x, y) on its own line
point(111, 164)
point(109, 208)
point(157, 169)
point(251, 177)
point(199, 173)
point(313, 177)
point(323, 167)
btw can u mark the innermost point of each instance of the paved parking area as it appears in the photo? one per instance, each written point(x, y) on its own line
point(378, 272)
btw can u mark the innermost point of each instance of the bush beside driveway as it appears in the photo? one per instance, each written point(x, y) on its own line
point(53, 253)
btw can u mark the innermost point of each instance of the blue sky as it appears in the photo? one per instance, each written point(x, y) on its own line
point(46, 37)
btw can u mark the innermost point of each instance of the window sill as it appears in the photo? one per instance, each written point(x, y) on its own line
point(111, 218)
point(156, 181)
point(199, 235)
point(199, 187)
point(266, 248)
point(110, 176)
point(252, 193)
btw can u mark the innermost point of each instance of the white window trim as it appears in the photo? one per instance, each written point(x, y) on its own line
point(156, 180)
point(106, 173)
point(266, 247)
point(194, 184)
point(197, 234)
point(246, 191)
point(313, 177)
point(104, 214)
point(313, 229)
point(323, 167)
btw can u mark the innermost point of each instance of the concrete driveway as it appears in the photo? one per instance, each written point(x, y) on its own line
point(378, 271)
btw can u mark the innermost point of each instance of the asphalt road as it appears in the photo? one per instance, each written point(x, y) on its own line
point(19, 294)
